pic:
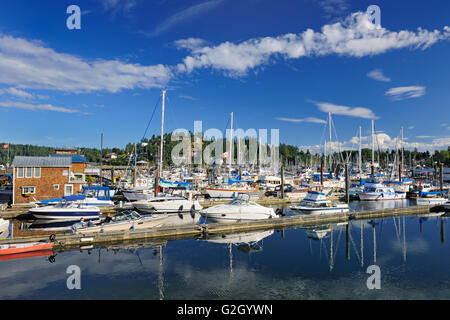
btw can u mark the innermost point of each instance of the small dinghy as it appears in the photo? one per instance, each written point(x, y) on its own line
point(21, 248)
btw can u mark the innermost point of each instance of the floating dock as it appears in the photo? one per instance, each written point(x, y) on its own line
point(193, 231)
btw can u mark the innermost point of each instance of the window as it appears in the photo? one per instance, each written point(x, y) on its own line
point(37, 172)
point(68, 190)
point(28, 190)
point(56, 187)
point(28, 172)
point(19, 172)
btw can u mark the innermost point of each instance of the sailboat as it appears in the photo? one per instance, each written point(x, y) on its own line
point(231, 190)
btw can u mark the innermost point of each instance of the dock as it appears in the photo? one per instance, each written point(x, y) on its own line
point(203, 230)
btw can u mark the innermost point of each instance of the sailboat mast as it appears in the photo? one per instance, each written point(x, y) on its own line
point(402, 151)
point(373, 144)
point(330, 148)
point(360, 151)
point(231, 145)
point(162, 134)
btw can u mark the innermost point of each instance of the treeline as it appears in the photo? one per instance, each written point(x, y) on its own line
point(290, 155)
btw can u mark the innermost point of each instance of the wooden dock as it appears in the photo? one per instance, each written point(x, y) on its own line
point(193, 231)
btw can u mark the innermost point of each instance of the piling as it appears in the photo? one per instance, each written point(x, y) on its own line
point(442, 176)
point(321, 174)
point(400, 173)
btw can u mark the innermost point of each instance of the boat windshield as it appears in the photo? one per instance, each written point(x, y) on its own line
point(238, 202)
point(126, 216)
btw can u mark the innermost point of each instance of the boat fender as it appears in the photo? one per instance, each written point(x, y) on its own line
point(180, 209)
point(52, 238)
point(279, 212)
point(132, 227)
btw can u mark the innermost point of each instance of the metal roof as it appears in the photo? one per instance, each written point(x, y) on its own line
point(75, 157)
point(21, 161)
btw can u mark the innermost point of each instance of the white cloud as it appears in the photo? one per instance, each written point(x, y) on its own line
point(184, 15)
point(116, 6)
point(190, 43)
point(35, 107)
point(402, 93)
point(357, 112)
point(309, 119)
point(29, 64)
point(378, 75)
point(354, 37)
point(16, 92)
point(425, 137)
point(186, 97)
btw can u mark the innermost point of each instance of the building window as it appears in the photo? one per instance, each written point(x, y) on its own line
point(19, 172)
point(68, 190)
point(28, 172)
point(37, 172)
point(28, 190)
point(56, 187)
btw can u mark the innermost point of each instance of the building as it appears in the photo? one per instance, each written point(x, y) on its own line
point(41, 178)
point(66, 150)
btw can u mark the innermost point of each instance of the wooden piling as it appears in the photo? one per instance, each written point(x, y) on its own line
point(442, 176)
point(282, 181)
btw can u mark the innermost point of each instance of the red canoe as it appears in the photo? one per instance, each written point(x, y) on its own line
point(24, 247)
point(31, 254)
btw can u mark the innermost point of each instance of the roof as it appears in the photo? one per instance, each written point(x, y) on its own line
point(75, 157)
point(58, 162)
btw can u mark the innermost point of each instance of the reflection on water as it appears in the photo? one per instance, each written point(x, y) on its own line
point(313, 262)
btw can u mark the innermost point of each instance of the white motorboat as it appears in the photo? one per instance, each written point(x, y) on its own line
point(238, 209)
point(428, 201)
point(123, 221)
point(166, 204)
point(66, 210)
point(240, 238)
point(446, 205)
point(378, 191)
point(4, 228)
point(317, 203)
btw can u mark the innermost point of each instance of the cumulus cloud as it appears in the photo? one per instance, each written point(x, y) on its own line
point(16, 92)
point(378, 75)
point(355, 36)
point(402, 93)
point(30, 64)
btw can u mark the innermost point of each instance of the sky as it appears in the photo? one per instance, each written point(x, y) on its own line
point(275, 64)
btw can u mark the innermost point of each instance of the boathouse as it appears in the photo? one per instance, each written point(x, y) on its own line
point(41, 178)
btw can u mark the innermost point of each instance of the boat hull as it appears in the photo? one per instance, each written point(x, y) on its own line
point(330, 210)
point(229, 193)
point(430, 201)
point(170, 206)
point(65, 214)
point(23, 248)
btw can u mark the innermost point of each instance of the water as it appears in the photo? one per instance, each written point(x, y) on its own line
point(320, 262)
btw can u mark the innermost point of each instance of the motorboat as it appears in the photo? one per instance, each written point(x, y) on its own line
point(7, 249)
point(123, 221)
point(431, 198)
point(4, 228)
point(66, 210)
point(446, 205)
point(238, 209)
point(379, 191)
point(166, 204)
point(317, 203)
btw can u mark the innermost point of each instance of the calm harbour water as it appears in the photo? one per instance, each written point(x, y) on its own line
point(321, 262)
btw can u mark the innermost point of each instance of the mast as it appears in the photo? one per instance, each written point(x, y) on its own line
point(329, 122)
point(373, 144)
point(162, 135)
point(360, 153)
point(402, 160)
point(231, 146)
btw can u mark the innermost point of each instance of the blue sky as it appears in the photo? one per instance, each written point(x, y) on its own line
point(275, 64)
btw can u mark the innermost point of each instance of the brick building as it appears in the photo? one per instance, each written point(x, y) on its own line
point(41, 178)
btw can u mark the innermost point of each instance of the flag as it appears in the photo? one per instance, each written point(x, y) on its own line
point(224, 155)
point(5, 146)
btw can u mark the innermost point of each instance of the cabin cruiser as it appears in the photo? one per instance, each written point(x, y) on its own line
point(379, 191)
point(239, 209)
point(317, 202)
point(122, 221)
point(165, 203)
point(66, 210)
